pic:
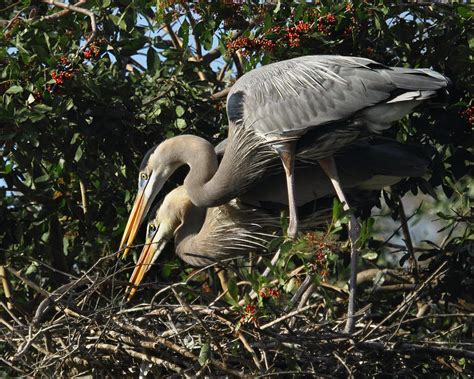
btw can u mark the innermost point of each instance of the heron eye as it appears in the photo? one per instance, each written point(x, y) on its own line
point(152, 227)
point(143, 176)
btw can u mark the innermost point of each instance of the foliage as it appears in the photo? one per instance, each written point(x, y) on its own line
point(76, 119)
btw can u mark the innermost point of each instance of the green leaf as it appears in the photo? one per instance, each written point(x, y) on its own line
point(14, 90)
point(180, 123)
point(78, 154)
point(42, 108)
point(179, 111)
point(204, 354)
point(42, 178)
point(370, 255)
point(151, 59)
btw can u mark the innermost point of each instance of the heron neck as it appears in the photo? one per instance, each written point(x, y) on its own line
point(187, 239)
point(246, 158)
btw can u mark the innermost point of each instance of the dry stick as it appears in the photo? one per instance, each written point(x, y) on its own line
point(12, 315)
point(408, 300)
point(185, 305)
point(6, 287)
point(369, 274)
point(62, 13)
point(186, 309)
point(221, 94)
point(250, 350)
point(408, 241)
point(28, 282)
point(415, 348)
point(349, 372)
point(291, 314)
point(77, 9)
point(136, 354)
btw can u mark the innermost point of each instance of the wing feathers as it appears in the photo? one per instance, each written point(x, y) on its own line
point(290, 97)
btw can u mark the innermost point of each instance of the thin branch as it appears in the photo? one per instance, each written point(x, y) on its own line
point(221, 94)
point(136, 354)
point(192, 21)
point(216, 53)
point(6, 287)
point(77, 9)
point(177, 43)
point(62, 13)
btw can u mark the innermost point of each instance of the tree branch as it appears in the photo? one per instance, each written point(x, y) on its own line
point(77, 9)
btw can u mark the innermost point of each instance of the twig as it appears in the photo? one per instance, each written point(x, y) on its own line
point(186, 306)
point(238, 62)
point(221, 94)
point(216, 52)
point(408, 300)
point(250, 350)
point(349, 372)
point(77, 9)
point(12, 315)
point(28, 282)
point(6, 287)
point(136, 354)
point(62, 13)
point(415, 348)
point(197, 42)
point(291, 314)
point(177, 43)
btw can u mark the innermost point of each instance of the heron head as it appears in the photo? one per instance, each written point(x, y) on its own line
point(161, 228)
point(156, 167)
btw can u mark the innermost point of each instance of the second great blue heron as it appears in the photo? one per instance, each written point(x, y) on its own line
point(204, 236)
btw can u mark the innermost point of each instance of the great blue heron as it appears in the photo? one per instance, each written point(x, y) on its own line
point(305, 108)
point(204, 236)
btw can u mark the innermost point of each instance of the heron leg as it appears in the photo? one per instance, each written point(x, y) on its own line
point(286, 151)
point(222, 279)
point(329, 167)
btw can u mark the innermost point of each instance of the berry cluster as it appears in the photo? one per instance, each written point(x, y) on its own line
point(249, 314)
point(468, 114)
point(326, 23)
point(293, 33)
point(61, 76)
point(91, 52)
point(269, 292)
point(247, 45)
point(321, 249)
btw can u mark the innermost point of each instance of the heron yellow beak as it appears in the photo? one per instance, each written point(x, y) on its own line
point(134, 221)
point(154, 245)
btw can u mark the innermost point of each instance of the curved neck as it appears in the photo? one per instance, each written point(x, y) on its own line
point(246, 158)
point(208, 184)
point(187, 237)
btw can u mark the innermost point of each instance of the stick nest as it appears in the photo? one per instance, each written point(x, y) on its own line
point(86, 328)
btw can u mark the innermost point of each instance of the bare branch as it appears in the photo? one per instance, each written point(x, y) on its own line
point(77, 9)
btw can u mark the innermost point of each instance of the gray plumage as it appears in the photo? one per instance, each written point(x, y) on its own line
point(286, 99)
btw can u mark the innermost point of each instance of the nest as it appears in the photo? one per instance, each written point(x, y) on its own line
point(86, 328)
